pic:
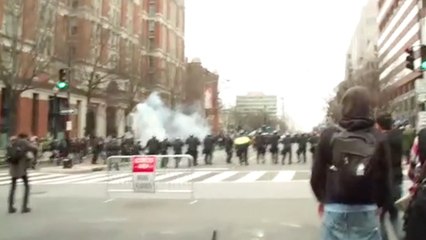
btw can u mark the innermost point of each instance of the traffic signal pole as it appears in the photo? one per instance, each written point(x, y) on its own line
point(69, 78)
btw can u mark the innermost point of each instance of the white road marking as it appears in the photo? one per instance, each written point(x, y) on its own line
point(103, 179)
point(168, 175)
point(252, 176)
point(190, 177)
point(220, 177)
point(284, 176)
point(88, 176)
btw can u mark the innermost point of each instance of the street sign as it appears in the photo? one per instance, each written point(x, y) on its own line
point(143, 168)
point(68, 111)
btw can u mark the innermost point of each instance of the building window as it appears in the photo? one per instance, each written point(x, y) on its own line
point(74, 4)
point(151, 26)
point(152, 8)
point(151, 44)
point(35, 114)
point(116, 12)
point(130, 17)
point(151, 62)
point(12, 22)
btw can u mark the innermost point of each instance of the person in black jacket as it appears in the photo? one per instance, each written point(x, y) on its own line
point(356, 217)
point(394, 138)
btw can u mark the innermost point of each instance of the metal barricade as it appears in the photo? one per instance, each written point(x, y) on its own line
point(150, 175)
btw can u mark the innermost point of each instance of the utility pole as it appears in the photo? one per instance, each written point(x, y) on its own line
point(69, 79)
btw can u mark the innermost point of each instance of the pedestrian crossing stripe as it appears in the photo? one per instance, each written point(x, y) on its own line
point(173, 177)
point(165, 177)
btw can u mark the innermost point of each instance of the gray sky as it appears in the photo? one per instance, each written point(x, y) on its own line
point(291, 48)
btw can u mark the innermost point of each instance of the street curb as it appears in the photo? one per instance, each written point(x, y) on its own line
point(72, 170)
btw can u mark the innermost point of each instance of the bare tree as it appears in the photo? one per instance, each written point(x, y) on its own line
point(138, 79)
point(25, 52)
point(172, 75)
point(98, 68)
point(369, 76)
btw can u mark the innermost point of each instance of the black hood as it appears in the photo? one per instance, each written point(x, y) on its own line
point(357, 109)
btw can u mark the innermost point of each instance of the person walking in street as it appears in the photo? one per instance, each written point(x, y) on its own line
point(394, 137)
point(18, 165)
point(351, 172)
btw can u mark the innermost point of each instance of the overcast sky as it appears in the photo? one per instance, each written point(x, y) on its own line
point(298, 45)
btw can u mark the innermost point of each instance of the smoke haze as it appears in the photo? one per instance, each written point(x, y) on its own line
point(154, 118)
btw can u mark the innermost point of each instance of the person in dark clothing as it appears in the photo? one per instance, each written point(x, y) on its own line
point(313, 141)
point(153, 146)
point(353, 217)
point(301, 148)
point(208, 145)
point(113, 148)
point(192, 150)
point(18, 169)
point(260, 145)
point(229, 144)
point(165, 144)
point(394, 137)
point(177, 148)
point(287, 142)
point(274, 147)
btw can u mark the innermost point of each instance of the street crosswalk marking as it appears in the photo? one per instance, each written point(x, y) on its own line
point(284, 176)
point(251, 176)
point(220, 177)
point(177, 176)
point(86, 177)
point(188, 178)
point(105, 178)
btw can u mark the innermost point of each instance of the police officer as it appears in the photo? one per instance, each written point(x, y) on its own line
point(193, 144)
point(287, 141)
point(208, 144)
point(177, 145)
point(274, 147)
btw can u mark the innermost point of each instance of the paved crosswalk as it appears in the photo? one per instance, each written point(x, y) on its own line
point(174, 177)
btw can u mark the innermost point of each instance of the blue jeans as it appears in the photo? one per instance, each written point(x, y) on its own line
point(361, 225)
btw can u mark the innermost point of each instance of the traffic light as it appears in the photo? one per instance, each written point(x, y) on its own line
point(62, 84)
point(409, 61)
point(423, 57)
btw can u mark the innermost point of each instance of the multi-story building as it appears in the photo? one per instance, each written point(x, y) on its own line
point(116, 51)
point(201, 88)
point(399, 29)
point(165, 48)
point(255, 103)
point(362, 49)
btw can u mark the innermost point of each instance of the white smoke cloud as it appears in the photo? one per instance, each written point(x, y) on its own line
point(154, 118)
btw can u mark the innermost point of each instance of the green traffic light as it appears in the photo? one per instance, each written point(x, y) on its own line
point(62, 85)
point(423, 65)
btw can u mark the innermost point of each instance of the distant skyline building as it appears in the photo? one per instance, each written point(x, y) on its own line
point(399, 28)
point(363, 49)
point(257, 103)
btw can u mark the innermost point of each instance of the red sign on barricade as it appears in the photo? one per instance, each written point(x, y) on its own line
point(144, 164)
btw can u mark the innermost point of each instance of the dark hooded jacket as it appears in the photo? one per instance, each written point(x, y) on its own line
point(356, 116)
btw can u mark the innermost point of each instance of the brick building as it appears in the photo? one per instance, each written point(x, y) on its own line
point(134, 46)
point(399, 28)
point(201, 87)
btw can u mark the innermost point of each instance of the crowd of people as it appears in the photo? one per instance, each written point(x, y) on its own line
point(357, 174)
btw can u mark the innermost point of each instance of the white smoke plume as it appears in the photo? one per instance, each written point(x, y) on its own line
point(154, 118)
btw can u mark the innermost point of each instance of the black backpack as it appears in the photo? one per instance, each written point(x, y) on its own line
point(351, 167)
point(15, 153)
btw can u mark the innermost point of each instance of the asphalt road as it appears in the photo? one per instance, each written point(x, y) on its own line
point(233, 210)
point(92, 218)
